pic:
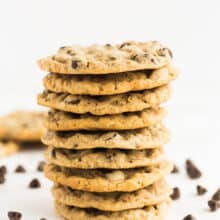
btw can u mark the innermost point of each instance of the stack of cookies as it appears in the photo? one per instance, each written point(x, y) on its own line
point(105, 134)
point(20, 129)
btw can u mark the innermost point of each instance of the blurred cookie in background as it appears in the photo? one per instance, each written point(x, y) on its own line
point(20, 130)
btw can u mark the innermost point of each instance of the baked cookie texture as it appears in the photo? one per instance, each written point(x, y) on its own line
point(105, 134)
point(105, 180)
point(104, 158)
point(156, 212)
point(144, 138)
point(114, 201)
point(104, 59)
point(105, 105)
point(22, 126)
point(64, 121)
point(110, 84)
point(8, 148)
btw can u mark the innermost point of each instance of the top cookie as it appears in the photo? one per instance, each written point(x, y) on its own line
point(104, 59)
point(22, 126)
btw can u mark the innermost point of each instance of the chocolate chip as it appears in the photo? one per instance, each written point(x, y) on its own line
point(216, 195)
point(189, 217)
point(108, 45)
point(20, 169)
point(63, 47)
point(175, 169)
point(175, 194)
point(40, 166)
point(2, 179)
point(124, 44)
point(75, 64)
point(213, 205)
point(201, 190)
point(43, 219)
point(192, 171)
point(73, 102)
point(34, 184)
point(3, 170)
point(12, 215)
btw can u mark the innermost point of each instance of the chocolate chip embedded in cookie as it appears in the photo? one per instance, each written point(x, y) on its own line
point(104, 158)
point(105, 180)
point(104, 105)
point(64, 121)
point(102, 59)
point(145, 138)
point(113, 201)
point(110, 84)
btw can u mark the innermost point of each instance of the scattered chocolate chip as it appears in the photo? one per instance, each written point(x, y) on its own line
point(175, 169)
point(189, 217)
point(20, 169)
point(3, 170)
point(34, 183)
point(192, 171)
point(201, 190)
point(176, 194)
point(12, 215)
point(75, 64)
point(216, 195)
point(213, 205)
point(43, 219)
point(2, 179)
point(40, 166)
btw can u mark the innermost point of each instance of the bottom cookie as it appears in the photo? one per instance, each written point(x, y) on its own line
point(113, 201)
point(8, 148)
point(156, 212)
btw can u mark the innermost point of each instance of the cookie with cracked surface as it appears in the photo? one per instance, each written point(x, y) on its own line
point(104, 59)
point(64, 121)
point(144, 138)
point(104, 105)
point(8, 148)
point(22, 126)
point(105, 180)
point(156, 212)
point(110, 84)
point(113, 201)
point(104, 158)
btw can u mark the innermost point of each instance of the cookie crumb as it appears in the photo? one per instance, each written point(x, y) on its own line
point(213, 205)
point(175, 169)
point(20, 169)
point(192, 171)
point(40, 166)
point(216, 195)
point(189, 217)
point(175, 194)
point(13, 215)
point(34, 184)
point(3, 170)
point(201, 190)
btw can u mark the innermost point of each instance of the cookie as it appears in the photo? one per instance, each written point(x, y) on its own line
point(144, 138)
point(64, 121)
point(8, 148)
point(102, 105)
point(105, 180)
point(110, 84)
point(103, 59)
point(22, 126)
point(113, 201)
point(156, 212)
point(104, 158)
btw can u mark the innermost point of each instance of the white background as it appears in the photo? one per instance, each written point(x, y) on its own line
point(33, 29)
